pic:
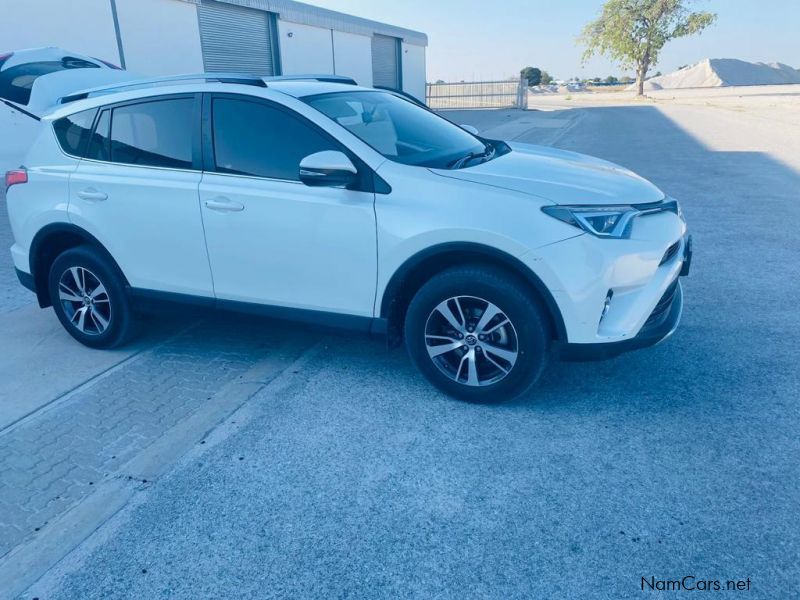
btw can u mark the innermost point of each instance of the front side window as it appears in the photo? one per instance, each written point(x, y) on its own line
point(251, 138)
point(156, 134)
point(73, 131)
point(398, 129)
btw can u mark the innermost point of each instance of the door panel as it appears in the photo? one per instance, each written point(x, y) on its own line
point(285, 244)
point(149, 221)
point(137, 192)
point(271, 239)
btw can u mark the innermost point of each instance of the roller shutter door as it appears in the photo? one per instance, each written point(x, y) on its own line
point(236, 39)
point(386, 61)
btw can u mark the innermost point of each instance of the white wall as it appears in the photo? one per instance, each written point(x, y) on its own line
point(160, 37)
point(352, 55)
point(308, 50)
point(413, 58)
point(85, 27)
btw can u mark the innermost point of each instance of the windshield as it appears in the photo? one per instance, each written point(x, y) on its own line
point(399, 129)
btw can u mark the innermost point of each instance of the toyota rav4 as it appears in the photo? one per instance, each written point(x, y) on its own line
point(323, 202)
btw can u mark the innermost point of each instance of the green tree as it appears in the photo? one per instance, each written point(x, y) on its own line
point(633, 32)
point(611, 80)
point(532, 74)
point(547, 79)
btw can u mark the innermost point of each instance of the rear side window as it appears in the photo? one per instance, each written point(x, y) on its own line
point(16, 82)
point(251, 138)
point(73, 132)
point(155, 134)
point(100, 144)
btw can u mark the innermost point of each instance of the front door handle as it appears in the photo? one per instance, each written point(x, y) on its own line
point(92, 194)
point(223, 204)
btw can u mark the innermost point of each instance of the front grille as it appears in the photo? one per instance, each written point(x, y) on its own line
point(670, 253)
point(662, 308)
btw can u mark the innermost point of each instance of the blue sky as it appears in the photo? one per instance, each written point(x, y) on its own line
point(479, 39)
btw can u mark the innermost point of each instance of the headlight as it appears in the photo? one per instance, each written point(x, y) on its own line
point(602, 221)
point(608, 221)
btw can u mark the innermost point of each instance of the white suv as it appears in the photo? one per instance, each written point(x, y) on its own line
point(325, 202)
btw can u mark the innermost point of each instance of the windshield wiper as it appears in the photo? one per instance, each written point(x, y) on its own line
point(460, 162)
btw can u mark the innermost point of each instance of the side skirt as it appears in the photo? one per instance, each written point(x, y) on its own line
point(158, 301)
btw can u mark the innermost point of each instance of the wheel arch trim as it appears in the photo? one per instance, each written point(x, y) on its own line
point(463, 252)
point(45, 235)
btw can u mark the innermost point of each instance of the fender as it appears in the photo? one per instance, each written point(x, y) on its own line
point(452, 253)
point(50, 241)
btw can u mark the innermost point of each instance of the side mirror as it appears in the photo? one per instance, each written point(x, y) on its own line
point(329, 168)
point(470, 129)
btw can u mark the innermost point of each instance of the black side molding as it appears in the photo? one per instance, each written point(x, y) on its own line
point(26, 279)
point(153, 300)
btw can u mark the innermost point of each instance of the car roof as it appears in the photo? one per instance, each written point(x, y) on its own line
point(293, 88)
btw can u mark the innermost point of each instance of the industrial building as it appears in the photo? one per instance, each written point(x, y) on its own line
point(264, 37)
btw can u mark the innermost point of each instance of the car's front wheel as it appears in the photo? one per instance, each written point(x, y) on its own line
point(477, 334)
point(89, 298)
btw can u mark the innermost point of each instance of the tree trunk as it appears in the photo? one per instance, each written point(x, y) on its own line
point(641, 73)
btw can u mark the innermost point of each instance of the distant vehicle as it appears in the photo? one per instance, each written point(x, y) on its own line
point(30, 82)
point(342, 206)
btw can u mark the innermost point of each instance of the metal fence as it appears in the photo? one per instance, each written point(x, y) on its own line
point(478, 94)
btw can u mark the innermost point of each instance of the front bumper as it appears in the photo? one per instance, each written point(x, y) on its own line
point(660, 325)
point(648, 336)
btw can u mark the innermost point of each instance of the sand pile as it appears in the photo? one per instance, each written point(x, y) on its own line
point(722, 72)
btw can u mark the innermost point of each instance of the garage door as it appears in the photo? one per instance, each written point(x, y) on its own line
point(386, 61)
point(236, 39)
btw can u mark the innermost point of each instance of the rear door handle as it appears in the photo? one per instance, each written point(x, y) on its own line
point(223, 204)
point(92, 194)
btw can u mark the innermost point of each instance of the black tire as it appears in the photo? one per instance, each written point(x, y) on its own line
point(108, 319)
point(466, 289)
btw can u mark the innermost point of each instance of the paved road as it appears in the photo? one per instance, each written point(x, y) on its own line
point(12, 295)
point(347, 476)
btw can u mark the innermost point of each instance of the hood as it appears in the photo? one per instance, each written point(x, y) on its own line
point(561, 177)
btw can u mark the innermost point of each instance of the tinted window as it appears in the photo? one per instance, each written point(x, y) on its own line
point(400, 130)
point(156, 134)
point(16, 82)
point(73, 131)
point(254, 139)
point(100, 144)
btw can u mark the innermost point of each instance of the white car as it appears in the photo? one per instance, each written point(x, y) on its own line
point(332, 204)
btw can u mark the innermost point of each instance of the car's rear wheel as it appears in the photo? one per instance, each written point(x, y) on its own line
point(476, 334)
point(89, 298)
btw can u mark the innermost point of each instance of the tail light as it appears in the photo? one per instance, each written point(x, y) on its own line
point(16, 177)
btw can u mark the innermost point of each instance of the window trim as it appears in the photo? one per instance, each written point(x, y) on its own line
point(368, 180)
point(84, 150)
point(197, 162)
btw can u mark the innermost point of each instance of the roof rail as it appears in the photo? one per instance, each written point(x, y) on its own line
point(238, 78)
point(322, 78)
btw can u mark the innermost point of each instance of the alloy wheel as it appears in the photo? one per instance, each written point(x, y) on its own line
point(471, 340)
point(85, 300)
